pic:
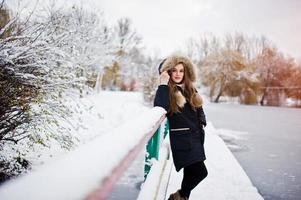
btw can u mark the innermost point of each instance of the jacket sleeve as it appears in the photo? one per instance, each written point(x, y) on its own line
point(161, 98)
point(201, 116)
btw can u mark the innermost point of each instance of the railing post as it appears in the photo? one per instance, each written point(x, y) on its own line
point(166, 128)
point(152, 147)
point(152, 150)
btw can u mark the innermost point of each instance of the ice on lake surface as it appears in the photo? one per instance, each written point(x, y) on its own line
point(267, 143)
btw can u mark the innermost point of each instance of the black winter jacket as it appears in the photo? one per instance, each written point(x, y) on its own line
point(186, 131)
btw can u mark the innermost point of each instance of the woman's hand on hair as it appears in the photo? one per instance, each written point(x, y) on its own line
point(164, 78)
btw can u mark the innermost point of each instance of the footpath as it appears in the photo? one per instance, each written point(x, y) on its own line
point(226, 179)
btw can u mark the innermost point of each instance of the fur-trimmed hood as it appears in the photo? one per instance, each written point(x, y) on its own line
point(173, 60)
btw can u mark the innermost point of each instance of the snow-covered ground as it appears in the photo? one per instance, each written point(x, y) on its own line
point(77, 173)
point(98, 114)
point(114, 110)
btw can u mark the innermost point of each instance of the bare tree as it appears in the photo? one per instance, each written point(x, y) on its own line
point(275, 71)
point(127, 42)
point(222, 69)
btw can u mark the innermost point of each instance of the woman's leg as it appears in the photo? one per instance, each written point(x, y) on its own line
point(193, 175)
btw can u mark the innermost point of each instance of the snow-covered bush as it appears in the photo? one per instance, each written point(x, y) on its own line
point(46, 65)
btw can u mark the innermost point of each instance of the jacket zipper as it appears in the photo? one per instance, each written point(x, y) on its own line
point(179, 129)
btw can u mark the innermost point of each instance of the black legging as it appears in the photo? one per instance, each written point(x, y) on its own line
point(193, 174)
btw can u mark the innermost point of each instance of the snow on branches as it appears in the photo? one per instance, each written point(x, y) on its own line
point(46, 65)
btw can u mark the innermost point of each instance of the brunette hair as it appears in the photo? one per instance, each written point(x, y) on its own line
point(177, 99)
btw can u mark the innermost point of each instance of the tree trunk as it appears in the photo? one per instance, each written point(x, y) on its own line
point(263, 97)
point(97, 87)
point(221, 89)
point(217, 97)
point(219, 94)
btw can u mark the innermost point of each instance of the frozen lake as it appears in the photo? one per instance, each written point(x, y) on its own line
point(267, 143)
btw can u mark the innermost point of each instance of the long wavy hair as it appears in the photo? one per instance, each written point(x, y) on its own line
point(178, 98)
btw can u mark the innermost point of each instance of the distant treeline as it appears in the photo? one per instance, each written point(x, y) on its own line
point(249, 68)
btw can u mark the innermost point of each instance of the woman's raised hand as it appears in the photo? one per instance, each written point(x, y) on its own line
point(164, 78)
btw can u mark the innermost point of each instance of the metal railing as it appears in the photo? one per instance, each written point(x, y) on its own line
point(153, 146)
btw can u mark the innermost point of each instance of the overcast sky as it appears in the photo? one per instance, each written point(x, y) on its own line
point(165, 25)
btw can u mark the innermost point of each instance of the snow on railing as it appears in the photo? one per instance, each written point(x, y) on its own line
point(90, 171)
point(153, 146)
point(155, 186)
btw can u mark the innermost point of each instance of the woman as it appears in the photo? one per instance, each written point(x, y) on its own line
point(177, 95)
